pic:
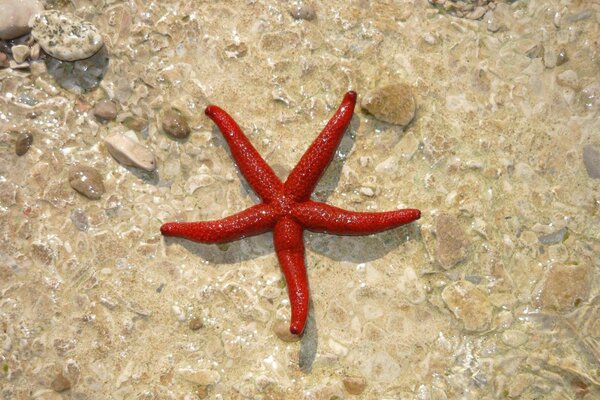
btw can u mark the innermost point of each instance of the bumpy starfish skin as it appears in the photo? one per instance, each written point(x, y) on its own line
point(286, 208)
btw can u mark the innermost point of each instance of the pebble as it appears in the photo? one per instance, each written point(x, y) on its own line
point(23, 143)
point(514, 338)
point(591, 160)
point(175, 124)
point(452, 242)
point(565, 287)
point(196, 323)
point(282, 330)
point(129, 152)
point(303, 10)
point(20, 52)
point(65, 36)
point(105, 110)
point(79, 219)
point(568, 78)
point(477, 13)
point(4, 63)
point(15, 16)
point(469, 304)
point(60, 383)
point(394, 104)
point(550, 57)
point(562, 57)
point(87, 181)
point(202, 377)
point(354, 385)
point(554, 237)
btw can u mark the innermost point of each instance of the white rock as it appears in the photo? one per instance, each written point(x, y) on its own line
point(15, 15)
point(65, 36)
point(129, 152)
point(202, 377)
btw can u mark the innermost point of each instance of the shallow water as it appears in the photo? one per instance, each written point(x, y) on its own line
point(493, 293)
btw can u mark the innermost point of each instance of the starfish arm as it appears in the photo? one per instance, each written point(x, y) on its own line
point(304, 177)
point(289, 246)
point(257, 172)
point(320, 217)
point(252, 221)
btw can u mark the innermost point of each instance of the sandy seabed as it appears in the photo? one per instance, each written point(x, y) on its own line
point(493, 293)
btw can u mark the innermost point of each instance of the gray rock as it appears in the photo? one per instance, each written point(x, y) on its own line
point(554, 237)
point(15, 17)
point(65, 36)
point(80, 219)
point(87, 181)
point(591, 160)
point(23, 143)
point(79, 76)
point(394, 104)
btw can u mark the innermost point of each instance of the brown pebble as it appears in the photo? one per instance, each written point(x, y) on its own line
point(303, 10)
point(175, 124)
point(354, 385)
point(196, 323)
point(87, 181)
point(23, 143)
point(4, 60)
point(394, 104)
point(60, 383)
point(105, 110)
point(282, 330)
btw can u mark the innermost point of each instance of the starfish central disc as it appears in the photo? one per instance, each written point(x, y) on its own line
point(286, 208)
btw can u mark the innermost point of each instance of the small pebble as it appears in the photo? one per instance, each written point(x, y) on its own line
point(591, 160)
point(65, 36)
point(562, 57)
point(550, 57)
point(15, 17)
point(354, 385)
point(129, 152)
point(79, 219)
point(196, 323)
point(60, 383)
point(105, 110)
point(199, 376)
point(477, 13)
point(303, 10)
point(175, 124)
point(20, 52)
point(554, 237)
point(282, 330)
point(394, 104)
point(4, 63)
point(87, 181)
point(35, 51)
point(514, 338)
point(23, 143)
point(568, 78)
point(565, 287)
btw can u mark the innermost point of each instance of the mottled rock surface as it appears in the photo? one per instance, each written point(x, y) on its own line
point(591, 160)
point(452, 243)
point(87, 181)
point(564, 287)
point(65, 36)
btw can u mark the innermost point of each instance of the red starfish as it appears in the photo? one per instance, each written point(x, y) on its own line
point(286, 208)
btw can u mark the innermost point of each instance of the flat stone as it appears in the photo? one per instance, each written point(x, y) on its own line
point(452, 243)
point(23, 143)
point(175, 124)
point(394, 104)
point(105, 110)
point(87, 181)
point(20, 52)
point(591, 160)
point(65, 36)
point(129, 152)
point(468, 304)
point(15, 17)
point(568, 78)
point(564, 287)
point(354, 385)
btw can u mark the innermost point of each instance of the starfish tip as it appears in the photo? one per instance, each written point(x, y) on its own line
point(210, 110)
point(166, 229)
